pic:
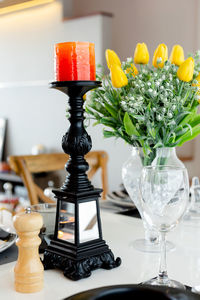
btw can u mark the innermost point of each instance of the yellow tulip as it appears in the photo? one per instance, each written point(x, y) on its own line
point(161, 52)
point(177, 55)
point(186, 70)
point(141, 54)
point(118, 76)
point(112, 58)
point(133, 70)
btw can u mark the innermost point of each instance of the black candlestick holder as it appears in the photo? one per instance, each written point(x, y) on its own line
point(77, 247)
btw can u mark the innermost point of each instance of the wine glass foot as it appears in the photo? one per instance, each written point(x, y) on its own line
point(168, 283)
point(150, 247)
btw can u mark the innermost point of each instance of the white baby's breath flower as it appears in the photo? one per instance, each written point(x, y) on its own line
point(158, 117)
point(149, 83)
point(154, 93)
point(173, 107)
point(164, 109)
point(150, 90)
point(140, 75)
point(167, 84)
point(157, 83)
point(170, 115)
point(170, 77)
point(162, 88)
point(155, 74)
point(142, 90)
point(154, 109)
point(129, 59)
point(163, 77)
point(136, 85)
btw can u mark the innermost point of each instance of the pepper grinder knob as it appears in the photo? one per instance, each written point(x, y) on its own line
point(29, 271)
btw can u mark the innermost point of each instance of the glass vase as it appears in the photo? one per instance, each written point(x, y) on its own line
point(131, 171)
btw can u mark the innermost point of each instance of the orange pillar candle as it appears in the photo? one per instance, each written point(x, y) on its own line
point(74, 61)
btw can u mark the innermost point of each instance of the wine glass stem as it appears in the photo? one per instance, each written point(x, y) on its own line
point(162, 276)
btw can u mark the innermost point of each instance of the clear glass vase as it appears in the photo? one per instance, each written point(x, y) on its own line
point(131, 171)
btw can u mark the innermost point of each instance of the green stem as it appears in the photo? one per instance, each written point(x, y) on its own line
point(180, 90)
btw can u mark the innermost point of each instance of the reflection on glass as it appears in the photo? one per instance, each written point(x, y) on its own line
point(66, 222)
point(88, 228)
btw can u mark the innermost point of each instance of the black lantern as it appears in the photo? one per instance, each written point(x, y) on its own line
point(77, 247)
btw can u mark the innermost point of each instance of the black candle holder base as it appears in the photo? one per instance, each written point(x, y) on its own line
point(78, 269)
point(72, 249)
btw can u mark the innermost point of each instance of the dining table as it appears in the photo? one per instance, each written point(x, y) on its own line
point(119, 231)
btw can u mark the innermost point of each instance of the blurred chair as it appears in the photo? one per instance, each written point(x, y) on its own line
point(28, 165)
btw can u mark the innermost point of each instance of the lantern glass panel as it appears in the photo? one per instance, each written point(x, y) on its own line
point(66, 225)
point(88, 226)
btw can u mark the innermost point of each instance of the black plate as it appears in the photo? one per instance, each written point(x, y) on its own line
point(133, 292)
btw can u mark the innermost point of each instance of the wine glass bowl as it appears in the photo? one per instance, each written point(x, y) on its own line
point(164, 198)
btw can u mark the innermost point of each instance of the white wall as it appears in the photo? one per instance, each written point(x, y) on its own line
point(150, 21)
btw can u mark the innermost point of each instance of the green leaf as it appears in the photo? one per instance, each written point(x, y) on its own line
point(108, 121)
point(129, 127)
point(158, 145)
point(181, 130)
point(188, 136)
point(138, 117)
point(195, 121)
point(108, 134)
point(89, 111)
point(111, 110)
point(183, 118)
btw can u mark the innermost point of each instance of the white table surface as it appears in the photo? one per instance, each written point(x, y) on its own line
point(118, 231)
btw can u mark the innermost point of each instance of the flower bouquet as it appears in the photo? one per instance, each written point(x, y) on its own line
point(148, 105)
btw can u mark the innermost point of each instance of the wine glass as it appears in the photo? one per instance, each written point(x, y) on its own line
point(164, 199)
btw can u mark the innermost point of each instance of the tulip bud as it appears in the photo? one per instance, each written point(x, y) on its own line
point(141, 54)
point(161, 53)
point(186, 70)
point(177, 55)
point(133, 70)
point(118, 76)
point(112, 58)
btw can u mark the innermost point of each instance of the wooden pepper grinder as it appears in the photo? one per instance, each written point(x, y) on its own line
point(28, 269)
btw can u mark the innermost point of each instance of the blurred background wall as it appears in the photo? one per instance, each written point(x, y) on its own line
point(35, 113)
